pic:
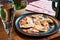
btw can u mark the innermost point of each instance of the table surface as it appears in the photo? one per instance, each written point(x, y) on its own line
point(17, 36)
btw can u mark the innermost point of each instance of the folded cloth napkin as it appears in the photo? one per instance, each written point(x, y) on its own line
point(41, 7)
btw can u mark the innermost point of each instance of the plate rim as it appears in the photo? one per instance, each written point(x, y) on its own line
point(32, 14)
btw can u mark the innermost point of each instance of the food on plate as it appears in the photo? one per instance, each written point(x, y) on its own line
point(36, 23)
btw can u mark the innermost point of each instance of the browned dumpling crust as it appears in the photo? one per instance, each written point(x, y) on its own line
point(37, 23)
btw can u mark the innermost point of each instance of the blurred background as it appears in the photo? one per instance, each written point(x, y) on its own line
point(4, 1)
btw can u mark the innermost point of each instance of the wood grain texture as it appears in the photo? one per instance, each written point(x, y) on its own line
point(17, 36)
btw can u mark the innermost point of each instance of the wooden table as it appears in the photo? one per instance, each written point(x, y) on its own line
point(18, 36)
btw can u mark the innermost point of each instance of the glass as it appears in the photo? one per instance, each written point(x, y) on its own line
point(20, 4)
point(0, 7)
point(7, 16)
point(56, 9)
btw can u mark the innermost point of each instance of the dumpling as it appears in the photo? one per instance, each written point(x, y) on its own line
point(49, 20)
point(25, 26)
point(30, 21)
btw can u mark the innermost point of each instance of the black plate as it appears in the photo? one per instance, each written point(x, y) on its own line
point(49, 32)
